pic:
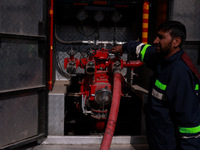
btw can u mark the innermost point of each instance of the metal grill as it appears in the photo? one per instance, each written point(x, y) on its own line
point(16, 16)
point(187, 12)
point(72, 33)
point(19, 117)
point(78, 33)
point(20, 65)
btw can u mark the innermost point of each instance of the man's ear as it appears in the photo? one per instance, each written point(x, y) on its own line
point(177, 42)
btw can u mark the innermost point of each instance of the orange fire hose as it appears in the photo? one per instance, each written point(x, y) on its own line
point(112, 120)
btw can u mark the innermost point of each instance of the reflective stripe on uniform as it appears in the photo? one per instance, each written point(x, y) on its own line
point(138, 49)
point(196, 87)
point(157, 94)
point(189, 137)
point(160, 85)
point(144, 51)
point(189, 129)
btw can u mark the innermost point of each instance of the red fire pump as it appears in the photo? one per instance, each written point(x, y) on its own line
point(97, 85)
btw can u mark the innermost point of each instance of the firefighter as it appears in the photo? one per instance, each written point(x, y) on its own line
point(173, 109)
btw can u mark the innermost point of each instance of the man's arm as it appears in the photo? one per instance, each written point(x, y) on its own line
point(144, 52)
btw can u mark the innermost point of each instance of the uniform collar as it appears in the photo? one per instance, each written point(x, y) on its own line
point(174, 57)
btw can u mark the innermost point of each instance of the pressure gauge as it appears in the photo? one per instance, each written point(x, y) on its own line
point(103, 97)
point(99, 16)
point(82, 15)
point(116, 17)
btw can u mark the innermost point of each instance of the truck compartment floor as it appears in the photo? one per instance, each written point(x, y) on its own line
point(91, 147)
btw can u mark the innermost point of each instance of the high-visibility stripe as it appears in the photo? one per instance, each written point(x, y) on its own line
point(144, 51)
point(157, 94)
point(196, 87)
point(138, 49)
point(145, 16)
point(145, 30)
point(145, 25)
point(145, 22)
point(160, 85)
point(189, 130)
point(145, 35)
point(145, 40)
point(190, 137)
point(51, 12)
point(146, 6)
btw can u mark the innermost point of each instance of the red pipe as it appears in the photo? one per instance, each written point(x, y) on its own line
point(110, 128)
point(51, 45)
point(132, 64)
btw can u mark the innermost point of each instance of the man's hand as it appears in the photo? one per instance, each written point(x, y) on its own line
point(117, 49)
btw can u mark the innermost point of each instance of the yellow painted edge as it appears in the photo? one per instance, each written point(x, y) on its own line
point(145, 25)
point(145, 35)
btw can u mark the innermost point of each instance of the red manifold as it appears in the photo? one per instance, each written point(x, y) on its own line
point(97, 84)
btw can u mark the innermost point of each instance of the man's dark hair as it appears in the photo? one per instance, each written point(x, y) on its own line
point(176, 29)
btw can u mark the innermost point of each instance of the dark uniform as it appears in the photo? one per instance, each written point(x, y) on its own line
point(173, 111)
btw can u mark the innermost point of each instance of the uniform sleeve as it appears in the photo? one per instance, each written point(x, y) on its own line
point(185, 107)
point(145, 52)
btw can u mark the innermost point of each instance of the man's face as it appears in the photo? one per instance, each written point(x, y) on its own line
point(163, 43)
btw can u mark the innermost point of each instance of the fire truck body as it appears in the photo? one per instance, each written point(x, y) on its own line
point(57, 69)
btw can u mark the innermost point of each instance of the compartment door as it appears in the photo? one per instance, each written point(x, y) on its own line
point(23, 92)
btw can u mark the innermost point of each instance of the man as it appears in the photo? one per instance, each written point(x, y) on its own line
point(173, 109)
